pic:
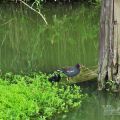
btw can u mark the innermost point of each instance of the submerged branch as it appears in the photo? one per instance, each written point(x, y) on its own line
point(35, 11)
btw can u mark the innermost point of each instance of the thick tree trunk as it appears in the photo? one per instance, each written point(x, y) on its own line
point(109, 56)
point(116, 59)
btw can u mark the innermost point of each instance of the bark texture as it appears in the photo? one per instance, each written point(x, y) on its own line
point(109, 56)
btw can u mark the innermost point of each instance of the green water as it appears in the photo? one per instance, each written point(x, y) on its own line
point(99, 106)
point(27, 44)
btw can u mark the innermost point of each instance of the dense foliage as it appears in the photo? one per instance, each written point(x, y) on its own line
point(26, 97)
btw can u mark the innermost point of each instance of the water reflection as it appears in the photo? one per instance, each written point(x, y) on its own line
point(26, 44)
point(99, 106)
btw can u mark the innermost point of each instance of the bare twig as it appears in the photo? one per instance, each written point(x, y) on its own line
point(35, 11)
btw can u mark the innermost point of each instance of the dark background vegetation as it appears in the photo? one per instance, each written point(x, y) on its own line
point(55, 1)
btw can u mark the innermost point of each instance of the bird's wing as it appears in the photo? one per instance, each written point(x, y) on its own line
point(70, 69)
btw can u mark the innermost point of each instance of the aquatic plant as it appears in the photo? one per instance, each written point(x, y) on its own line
point(34, 97)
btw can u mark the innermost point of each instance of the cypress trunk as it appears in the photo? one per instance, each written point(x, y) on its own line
point(109, 56)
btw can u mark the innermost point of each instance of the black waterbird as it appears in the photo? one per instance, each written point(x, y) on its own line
point(71, 71)
point(55, 78)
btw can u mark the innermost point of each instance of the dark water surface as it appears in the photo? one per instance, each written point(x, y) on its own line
point(26, 44)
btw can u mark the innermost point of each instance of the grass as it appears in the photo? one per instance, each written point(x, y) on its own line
point(34, 97)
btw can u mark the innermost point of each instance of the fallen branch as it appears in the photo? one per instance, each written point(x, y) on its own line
point(35, 11)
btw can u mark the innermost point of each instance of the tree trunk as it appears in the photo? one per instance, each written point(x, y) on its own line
point(109, 56)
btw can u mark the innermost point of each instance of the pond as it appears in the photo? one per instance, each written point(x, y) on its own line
point(27, 44)
point(98, 106)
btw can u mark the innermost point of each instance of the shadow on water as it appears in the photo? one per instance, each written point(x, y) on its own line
point(98, 106)
point(26, 44)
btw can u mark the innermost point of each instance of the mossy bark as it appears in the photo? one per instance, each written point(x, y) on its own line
point(109, 56)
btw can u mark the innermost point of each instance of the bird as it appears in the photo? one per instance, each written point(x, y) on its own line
point(70, 71)
point(55, 78)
